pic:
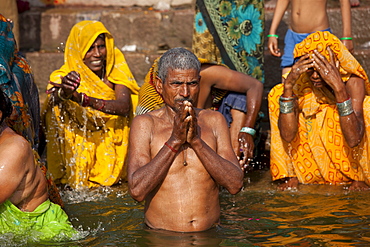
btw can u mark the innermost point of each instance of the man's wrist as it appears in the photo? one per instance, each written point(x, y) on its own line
point(196, 142)
point(174, 143)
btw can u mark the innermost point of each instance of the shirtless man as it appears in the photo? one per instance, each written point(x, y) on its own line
point(217, 77)
point(179, 156)
point(24, 188)
point(305, 17)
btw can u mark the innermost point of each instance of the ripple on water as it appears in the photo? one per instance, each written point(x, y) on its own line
point(314, 215)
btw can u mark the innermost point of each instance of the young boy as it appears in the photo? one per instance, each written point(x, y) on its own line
point(305, 17)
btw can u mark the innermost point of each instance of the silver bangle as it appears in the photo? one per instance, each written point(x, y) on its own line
point(248, 130)
point(286, 107)
point(287, 98)
point(345, 108)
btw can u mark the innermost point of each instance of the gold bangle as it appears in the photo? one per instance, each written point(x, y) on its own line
point(60, 95)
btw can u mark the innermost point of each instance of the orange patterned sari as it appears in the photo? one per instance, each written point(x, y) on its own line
point(319, 153)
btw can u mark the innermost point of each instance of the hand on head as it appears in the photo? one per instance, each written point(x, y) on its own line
point(329, 71)
point(301, 66)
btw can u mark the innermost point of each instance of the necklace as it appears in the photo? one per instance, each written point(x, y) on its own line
point(184, 156)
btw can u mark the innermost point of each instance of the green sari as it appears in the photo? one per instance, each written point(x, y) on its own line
point(231, 32)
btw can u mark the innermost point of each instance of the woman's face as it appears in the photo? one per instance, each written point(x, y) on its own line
point(95, 56)
point(316, 78)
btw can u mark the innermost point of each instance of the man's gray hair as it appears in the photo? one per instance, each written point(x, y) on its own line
point(177, 58)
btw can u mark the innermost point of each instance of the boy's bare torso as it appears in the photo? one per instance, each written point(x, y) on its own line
point(308, 16)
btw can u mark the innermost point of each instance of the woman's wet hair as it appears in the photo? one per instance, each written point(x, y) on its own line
point(177, 58)
point(5, 106)
point(102, 35)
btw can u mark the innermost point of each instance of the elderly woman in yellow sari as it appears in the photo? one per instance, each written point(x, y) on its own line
point(319, 118)
point(89, 110)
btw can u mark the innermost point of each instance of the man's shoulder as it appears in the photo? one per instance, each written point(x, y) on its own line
point(149, 117)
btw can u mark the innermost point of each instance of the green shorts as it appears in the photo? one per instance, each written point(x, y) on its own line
point(47, 222)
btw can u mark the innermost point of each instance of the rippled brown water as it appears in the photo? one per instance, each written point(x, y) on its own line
point(316, 215)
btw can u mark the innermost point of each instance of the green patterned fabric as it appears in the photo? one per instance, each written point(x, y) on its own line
point(47, 222)
point(231, 32)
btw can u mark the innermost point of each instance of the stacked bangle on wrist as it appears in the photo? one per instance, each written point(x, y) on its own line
point(282, 98)
point(345, 108)
point(60, 95)
point(248, 130)
point(286, 107)
point(346, 38)
point(286, 104)
point(273, 35)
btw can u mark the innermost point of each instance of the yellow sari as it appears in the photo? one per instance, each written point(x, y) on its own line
point(86, 147)
point(319, 153)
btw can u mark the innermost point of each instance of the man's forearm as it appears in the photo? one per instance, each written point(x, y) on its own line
point(148, 177)
point(254, 99)
point(221, 170)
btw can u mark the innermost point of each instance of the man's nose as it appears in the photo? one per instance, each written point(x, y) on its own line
point(184, 90)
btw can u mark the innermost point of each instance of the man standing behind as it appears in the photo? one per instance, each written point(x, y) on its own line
point(179, 156)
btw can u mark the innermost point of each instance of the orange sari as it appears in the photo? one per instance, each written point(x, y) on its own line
point(319, 153)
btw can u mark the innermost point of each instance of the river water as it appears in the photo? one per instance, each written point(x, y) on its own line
point(314, 215)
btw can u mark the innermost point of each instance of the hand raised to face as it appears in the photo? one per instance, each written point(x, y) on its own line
point(329, 71)
point(301, 66)
point(181, 122)
point(191, 119)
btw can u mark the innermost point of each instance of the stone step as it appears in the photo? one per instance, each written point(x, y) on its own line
point(45, 30)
